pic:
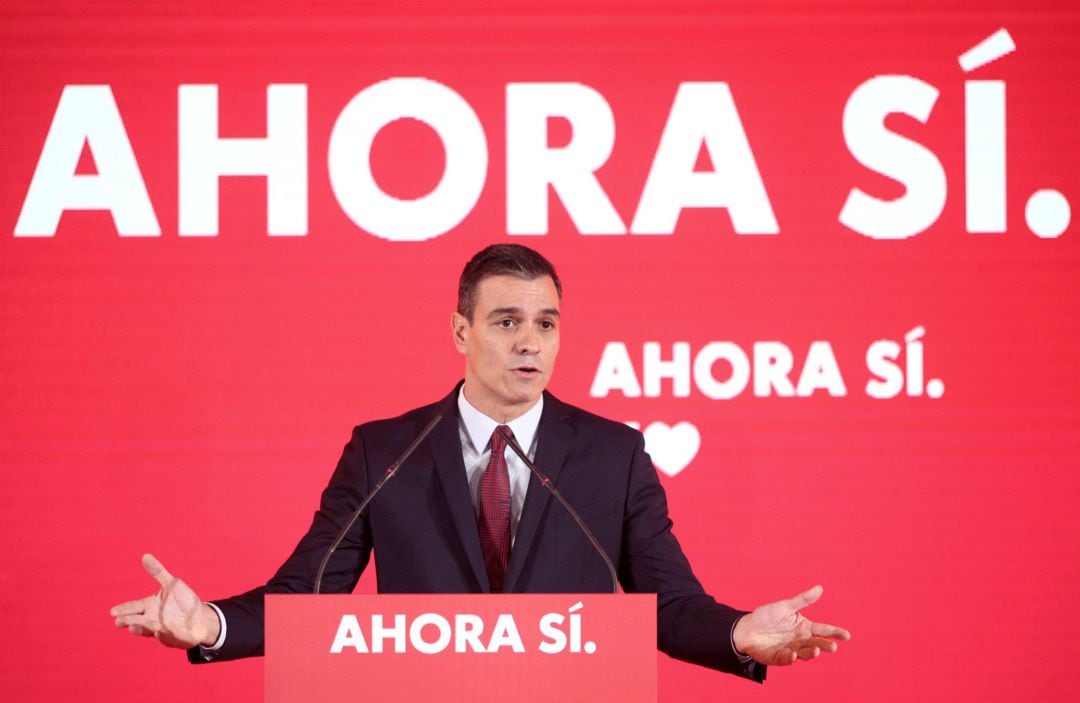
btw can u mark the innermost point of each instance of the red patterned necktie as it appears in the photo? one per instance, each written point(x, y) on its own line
point(494, 519)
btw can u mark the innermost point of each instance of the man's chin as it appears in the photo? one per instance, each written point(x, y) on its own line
point(526, 391)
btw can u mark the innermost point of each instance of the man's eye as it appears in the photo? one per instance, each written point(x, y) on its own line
point(507, 323)
point(547, 325)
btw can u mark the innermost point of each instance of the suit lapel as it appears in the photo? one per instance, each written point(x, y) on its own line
point(554, 436)
point(445, 443)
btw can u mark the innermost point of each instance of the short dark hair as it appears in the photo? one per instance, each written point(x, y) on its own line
point(501, 260)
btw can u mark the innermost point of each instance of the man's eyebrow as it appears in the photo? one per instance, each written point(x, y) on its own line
point(497, 312)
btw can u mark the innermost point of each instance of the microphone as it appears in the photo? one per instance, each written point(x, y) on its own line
point(546, 483)
point(374, 491)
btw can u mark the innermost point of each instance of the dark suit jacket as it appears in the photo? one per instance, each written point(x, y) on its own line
point(422, 528)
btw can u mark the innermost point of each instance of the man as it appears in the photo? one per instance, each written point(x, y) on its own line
point(464, 514)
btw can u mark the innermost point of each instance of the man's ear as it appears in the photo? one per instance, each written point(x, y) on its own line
point(459, 326)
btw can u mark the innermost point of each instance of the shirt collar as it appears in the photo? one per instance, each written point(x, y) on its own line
point(479, 427)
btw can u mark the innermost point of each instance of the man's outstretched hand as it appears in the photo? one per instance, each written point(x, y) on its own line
point(778, 634)
point(174, 615)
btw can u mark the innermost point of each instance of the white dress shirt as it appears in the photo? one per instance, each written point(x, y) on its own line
point(475, 430)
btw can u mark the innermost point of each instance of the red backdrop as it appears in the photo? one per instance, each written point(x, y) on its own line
point(189, 395)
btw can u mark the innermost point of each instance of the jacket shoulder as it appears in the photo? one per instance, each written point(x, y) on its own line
point(417, 417)
point(596, 425)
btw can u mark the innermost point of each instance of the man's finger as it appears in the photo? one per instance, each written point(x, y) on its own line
point(822, 644)
point(130, 608)
point(806, 598)
point(156, 569)
point(138, 619)
point(139, 630)
point(820, 629)
point(808, 653)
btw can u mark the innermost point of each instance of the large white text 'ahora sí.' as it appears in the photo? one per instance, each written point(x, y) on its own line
point(703, 117)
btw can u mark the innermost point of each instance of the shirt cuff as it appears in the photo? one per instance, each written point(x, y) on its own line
point(743, 657)
point(209, 651)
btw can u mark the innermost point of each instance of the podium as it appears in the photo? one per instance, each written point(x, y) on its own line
point(461, 647)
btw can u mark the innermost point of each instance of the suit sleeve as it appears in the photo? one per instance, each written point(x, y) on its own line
point(690, 624)
point(244, 613)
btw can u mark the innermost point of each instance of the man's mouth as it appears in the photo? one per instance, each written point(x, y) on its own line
point(527, 371)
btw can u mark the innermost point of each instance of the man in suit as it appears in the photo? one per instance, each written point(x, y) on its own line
point(465, 515)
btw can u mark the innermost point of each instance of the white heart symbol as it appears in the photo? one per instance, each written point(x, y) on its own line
point(672, 448)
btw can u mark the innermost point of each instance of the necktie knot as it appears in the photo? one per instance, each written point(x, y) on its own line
point(498, 440)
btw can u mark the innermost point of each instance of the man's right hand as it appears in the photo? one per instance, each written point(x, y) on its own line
point(174, 615)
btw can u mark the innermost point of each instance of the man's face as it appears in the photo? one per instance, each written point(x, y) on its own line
point(510, 344)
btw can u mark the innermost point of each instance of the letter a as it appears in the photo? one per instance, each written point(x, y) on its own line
point(87, 114)
point(704, 114)
point(349, 634)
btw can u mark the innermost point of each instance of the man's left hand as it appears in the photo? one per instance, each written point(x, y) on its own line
point(778, 634)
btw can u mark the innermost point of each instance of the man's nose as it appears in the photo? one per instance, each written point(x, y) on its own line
point(528, 342)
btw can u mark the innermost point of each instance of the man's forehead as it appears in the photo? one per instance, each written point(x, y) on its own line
point(497, 292)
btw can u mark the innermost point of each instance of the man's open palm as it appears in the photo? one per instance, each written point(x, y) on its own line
point(778, 634)
point(174, 615)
